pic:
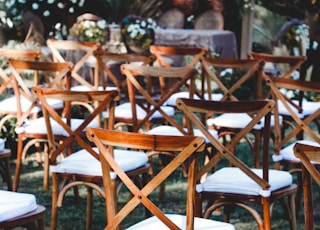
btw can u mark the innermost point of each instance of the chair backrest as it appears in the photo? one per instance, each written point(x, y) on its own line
point(310, 157)
point(105, 62)
point(140, 81)
point(209, 20)
point(301, 112)
point(185, 148)
point(177, 56)
point(292, 63)
point(72, 132)
point(32, 73)
point(235, 78)
point(76, 52)
point(172, 18)
point(259, 109)
point(5, 54)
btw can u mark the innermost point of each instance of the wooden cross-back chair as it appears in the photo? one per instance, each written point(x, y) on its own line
point(179, 56)
point(79, 53)
point(235, 79)
point(309, 156)
point(109, 64)
point(186, 148)
point(66, 137)
point(7, 111)
point(27, 106)
point(146, 102)
point(261, 186)
point(144, 111)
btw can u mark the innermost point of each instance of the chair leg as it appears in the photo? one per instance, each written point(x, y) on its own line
point(266, 213)
point(18, 164)
point(89, 208)
point(54, 209)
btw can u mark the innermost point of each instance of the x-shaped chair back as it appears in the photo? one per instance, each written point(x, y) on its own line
point(230, 74)
point(185, 56)
point(294, 108)
point(225, 185)
point(64, 50)
point(185, 148)
point(14, 54)
point(309, 155)
point(72, 135)
point(48, 74)
point(258, 109)
point(7, 79)
point(103, 60)
point(140, 80)
point(278, 66)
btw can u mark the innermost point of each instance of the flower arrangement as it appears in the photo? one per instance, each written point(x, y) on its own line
point(90, 30)
point(292, 38)
point(137, 31)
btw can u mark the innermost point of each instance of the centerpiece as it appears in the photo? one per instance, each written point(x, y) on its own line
point(90, 28)
point(137, 33)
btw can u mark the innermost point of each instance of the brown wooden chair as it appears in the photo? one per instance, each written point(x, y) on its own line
point(80, 54)
point(309, 156)
point(5, 170)
point(241, 184)
point(186, 148)
point(234, 79)
point(177, 56)
point(27, 74)
point(20, 210)
point(6, 81)
point(81, 165)
point(147, 104)
point(108, 73)
point(147, 107)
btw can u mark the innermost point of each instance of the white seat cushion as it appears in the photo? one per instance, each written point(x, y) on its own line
point(10, 104)
point(39, 126)
point(308, 107)
point(233, 180)
point(199, 223)
point(237, 120)
point(2, 144)
point(171, 130)
point(83, 163)
point(172, 100)
point(124, 110)
point(288, 154)
point(14, 204)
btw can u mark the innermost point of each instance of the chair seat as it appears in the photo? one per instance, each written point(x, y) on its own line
point(199, 223)
point(124, 111)
point(10, 105)
point(38, 126)
point(171, 130)
point(308, 108)
point(287, 153)
point(15, 204)
point(83, 163)
point(233, 180)
point(2, 144)
point(237, 120)
point(172, 100)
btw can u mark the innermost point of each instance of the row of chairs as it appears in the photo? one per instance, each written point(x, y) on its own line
point(132, 73)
